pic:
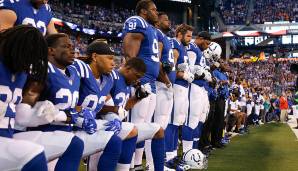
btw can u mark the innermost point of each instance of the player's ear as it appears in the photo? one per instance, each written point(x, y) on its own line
point(50, 51)
point(143, 11)
point(93, 57)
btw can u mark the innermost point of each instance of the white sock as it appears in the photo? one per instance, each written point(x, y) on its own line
point(52, 165)
point(148, 152)
point(175, 153)
point(170, 155)
point(187, 145)
point(132, 163)
point(138, 156)
point(93, 162)
point(122, 167)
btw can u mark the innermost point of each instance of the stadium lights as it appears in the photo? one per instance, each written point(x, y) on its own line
point(184, 1)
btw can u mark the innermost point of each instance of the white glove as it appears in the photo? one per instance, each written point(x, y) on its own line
point(122, 113)
point(183, 67)
point(188, 76)
point(198, 70)
point(208, 76)
point(147, 88)
point(42, 113)
point(46, 110)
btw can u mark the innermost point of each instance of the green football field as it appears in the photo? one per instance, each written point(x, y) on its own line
point(270, 147)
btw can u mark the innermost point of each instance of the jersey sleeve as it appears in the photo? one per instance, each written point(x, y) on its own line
point(7, 4)
point(175, 44)
point(83, 69)
point(50, 12)
point(135, 24)
point(160, 36)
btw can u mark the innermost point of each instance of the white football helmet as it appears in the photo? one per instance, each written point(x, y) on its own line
point(195, 159)
point(213, 52)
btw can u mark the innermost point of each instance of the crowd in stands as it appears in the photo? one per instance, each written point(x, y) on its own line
point(275, 10)
point(233, 11)
point(92, 17)
point(271, 76)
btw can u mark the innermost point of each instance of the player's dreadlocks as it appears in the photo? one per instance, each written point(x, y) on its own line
point(24, 49)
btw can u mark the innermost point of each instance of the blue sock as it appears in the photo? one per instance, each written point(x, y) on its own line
point(187, 133)
point(39, 163)
point(158, 152)
point(169, 138)
point(111, 154)
point(141, 144)
point(197, 135)
point(128, 148)
point(176, 136)
point(70, 159)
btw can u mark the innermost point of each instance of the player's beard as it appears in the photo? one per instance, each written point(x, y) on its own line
point(184, 42)
point(165, 29)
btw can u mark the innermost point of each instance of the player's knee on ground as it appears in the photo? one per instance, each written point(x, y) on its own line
point(159, 133)
point(133, 133)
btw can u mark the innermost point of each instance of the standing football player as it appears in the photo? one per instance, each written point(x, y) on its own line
point(140, 40)
point(183, 78)
point(198, 98)
point(32, 12)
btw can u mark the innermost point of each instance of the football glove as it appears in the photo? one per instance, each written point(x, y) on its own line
point(167, 67)
point(183, 67)
point(142, 91)
point(114, 125)
point(85, 120)
point(208, 76)
point(188, 76)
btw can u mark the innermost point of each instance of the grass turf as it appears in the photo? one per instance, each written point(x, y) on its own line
point(270, 147)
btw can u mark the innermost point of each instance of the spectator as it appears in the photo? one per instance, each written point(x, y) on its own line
point(283, 105)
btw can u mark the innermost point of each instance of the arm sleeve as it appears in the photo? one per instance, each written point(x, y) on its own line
point(135, 25)
point(6, 4)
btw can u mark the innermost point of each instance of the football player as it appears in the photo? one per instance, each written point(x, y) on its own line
point(26, 156)
point(166, 79)
point(62, 88)
point(183, 78)
point(96, 82)
point(198, 97)
point(32, 12)
point(22, 111)
point(140, 40)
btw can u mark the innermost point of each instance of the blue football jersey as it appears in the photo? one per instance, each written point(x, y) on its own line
point(198, 59)
point(121, 91)
point(26, 14)
point(93, 92)
point(11, 86)
point(149, 47)
point(223, 91)
point(62, 89)
point(183, 58)
point(167, 53)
